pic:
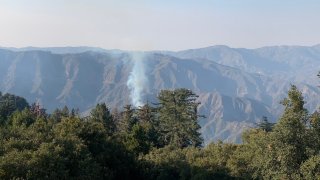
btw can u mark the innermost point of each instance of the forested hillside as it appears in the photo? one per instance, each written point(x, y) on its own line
point(155, 141)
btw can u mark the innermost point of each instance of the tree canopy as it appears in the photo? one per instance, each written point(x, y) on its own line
point(160, 141)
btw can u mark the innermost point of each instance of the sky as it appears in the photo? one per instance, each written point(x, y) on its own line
point(159, 24)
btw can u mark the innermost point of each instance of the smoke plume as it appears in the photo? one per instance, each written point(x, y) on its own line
point(137, 80)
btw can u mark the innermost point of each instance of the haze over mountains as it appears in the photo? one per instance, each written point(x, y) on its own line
point(236, 87)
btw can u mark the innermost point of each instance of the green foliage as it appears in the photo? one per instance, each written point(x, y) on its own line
point(265, 125)
point(148, 119)
point(161, 142)
point(167, 163)
point(188, 163)
point(314, 132)
point(288, 140)
point(22, 118)
point(58, 114)
point(9, 104)
point(102, 114)
point(138, 129)
point(311, 168)
point(178, 118)
point(252, 153)
point(34, 148)
point(137, 140)
point(286, 152)
point(127, 120)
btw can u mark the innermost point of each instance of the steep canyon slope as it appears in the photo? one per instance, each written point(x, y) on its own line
point(236, 87)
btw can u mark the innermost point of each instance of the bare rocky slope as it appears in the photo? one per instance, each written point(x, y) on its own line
point(236, 87)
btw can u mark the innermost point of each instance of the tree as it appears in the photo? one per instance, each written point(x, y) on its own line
point(9, 104)
point(310, 169)
point(265, 125)
point(137, 140)
point(56, 116)
point(65, 111)
point(102, 114)
point(188, 163)
point(146, 114)
point(288, 141)
point(166, 163)
point(107, 158)
point(178, 118)
point(22, 118)
point(127, 120)
point(136, 129)
point(147, 117)
point(249, 159)
point(37, 110)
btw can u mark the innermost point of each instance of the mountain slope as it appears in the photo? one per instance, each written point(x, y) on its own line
point(234, 88)
point(284, 61)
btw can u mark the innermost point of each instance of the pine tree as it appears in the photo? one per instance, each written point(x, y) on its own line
point(147, 118)
point(146, 114)
point(178, 118)
point(127, 120)
point(102, 114)
point(65, 111)
point(265, 125)
point(314, 132)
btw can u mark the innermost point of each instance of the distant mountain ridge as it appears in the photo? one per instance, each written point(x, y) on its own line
point(236, 86)
point(61, 50)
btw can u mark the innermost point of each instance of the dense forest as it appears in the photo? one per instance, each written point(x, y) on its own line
point(156, 141)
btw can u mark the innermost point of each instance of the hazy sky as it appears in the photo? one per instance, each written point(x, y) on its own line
point(159, 24)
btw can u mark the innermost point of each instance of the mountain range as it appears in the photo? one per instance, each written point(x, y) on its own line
point(236, 86)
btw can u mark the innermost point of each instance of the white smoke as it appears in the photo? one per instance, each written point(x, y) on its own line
point(137, 81)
